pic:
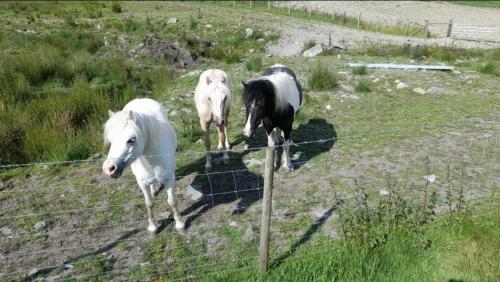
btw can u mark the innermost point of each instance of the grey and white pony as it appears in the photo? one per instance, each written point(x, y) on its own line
point(140, 136)
point(273, 100)
point(213, 98)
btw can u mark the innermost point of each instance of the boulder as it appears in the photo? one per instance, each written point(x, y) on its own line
point(314, 51)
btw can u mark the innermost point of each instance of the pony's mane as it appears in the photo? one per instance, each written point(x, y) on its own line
point(116, 123)
point(260, 89)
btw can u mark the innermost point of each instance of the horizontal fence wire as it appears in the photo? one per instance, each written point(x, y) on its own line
point(257, 148)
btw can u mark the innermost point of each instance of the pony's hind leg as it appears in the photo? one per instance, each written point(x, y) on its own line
point(205, 127)
point(179, 224)
point(148, 199)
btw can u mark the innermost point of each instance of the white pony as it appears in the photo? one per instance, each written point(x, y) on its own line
point(213, 98)
point(141, 136)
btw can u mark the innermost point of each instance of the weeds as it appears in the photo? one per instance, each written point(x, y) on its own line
point(254, 64)
point(116, 7)
point(363, 86)
point(359, 70)
point(322, 78)
point(489, 68)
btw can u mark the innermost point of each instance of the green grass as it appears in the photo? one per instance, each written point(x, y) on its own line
point(480, 4)
point(489, 68)
point(359, 70)
point(254, 64)
point(116, 7)
point(458, 247)
point(321, 77)
point(363, 86)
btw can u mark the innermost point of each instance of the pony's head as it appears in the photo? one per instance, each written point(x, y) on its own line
point(125, 134)
point(219, 98)
point(259, 100)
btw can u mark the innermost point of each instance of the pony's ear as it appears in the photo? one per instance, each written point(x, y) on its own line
point(244, 84)
point(208, 80)
point(110, 113)
point(131, 115)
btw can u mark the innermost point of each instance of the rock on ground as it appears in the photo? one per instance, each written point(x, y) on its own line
point(248, 32)
point(41, 224)
point(161, 49)
point(314, 51)
point(401, 85)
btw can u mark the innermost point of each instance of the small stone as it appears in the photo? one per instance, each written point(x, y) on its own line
point(412, 61)
point(164, 215)
point(339, 56)
point(328, 107)
point(375, 80)
point(186, 110)
point(397, 81)
point(430, 178)
point(172, 21)
point(172, 113)
point(6, 231)
point(68, 266)
point(170, 260)
point(193, 192)
point(260, 40)
point(45, 167)
point(314, 51)
point(248, 32)
point(402, 85)
point(267, 33)
point(233, 224)
point(383, 192)
point(199, 141)
point(318, 213)
point(251, 50)
point(33, 271)
point(208, 26)
point(254, 162)
point(419, 91)
point(41, 224)
point(249, 235)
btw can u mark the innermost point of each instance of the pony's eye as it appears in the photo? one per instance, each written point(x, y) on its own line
point(131, 141)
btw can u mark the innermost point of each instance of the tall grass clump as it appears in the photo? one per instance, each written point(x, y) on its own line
point(116, 7)
point(254, 64)
point(489, 68)
point(359, 70)
point(363, 86)
point(322, 78)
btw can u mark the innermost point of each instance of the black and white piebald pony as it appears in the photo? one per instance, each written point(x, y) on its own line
point(273, 99)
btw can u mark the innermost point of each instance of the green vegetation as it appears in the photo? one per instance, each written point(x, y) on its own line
point(254, 64)
point(56, 87)
point(116, 7)
point(322, 77)
point(363, 86)
point(481, 4)
point(359, 70)
point(489, 68)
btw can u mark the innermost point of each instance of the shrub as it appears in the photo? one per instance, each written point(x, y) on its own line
point(322, 78)
point(363, 86)
point(359, 70)
point(254, 64)
point(488, 68)
point(233, 56)
point(116, 7)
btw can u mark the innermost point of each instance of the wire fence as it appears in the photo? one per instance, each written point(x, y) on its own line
point(78, 224)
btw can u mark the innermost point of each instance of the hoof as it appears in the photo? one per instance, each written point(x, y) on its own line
point(179, 225)
point(288, 168)
point(152, 228)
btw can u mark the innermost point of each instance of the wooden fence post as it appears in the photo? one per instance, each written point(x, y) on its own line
point(265, 224)
point(450, 27)
point(426, 28)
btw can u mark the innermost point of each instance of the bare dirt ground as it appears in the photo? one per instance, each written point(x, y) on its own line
point(394, 12)
point(294, 32)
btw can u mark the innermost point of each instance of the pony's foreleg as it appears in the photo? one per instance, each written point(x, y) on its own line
point(148, 199)
point(222, 143)
point(286, 155)
point(179, 224)
point(204, 127)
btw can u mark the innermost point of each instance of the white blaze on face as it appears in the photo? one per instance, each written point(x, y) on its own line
point(248, 127)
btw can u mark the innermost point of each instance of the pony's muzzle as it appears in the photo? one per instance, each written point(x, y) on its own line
point(110, 168)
